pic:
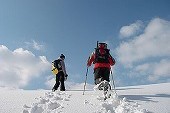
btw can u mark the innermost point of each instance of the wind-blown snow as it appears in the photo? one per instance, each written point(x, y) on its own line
point(135, 99)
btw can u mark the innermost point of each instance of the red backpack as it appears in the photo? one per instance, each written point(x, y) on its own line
point(101, 53)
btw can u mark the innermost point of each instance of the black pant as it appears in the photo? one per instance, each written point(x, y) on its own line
point(59, 79)
point(101, 74)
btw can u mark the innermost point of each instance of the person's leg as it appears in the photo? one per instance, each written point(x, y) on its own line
point(62, 86)
point(105, 74)
point(102, 78)
point(97, 75)
point(57, 83)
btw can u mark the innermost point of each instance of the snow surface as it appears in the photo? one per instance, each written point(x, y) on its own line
point(153, 98)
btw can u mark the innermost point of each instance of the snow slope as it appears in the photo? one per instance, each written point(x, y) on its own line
point(135, 99)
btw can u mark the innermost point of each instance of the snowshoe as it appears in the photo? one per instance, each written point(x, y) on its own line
point(99, 86)
point(53, 90)
point(105, 87)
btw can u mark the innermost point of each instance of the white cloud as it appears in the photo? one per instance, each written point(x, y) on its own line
point(132, 29)
point(148, 54)
point(18, 67)
point(161, 69)
point(142, 68)
point(35, 45)
point(155, 70)
point(153, 43)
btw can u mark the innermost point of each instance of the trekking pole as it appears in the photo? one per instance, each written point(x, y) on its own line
point(113, 82)
point(85, 81)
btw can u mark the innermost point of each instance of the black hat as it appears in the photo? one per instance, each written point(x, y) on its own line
point(102, 45)
point(62, 56)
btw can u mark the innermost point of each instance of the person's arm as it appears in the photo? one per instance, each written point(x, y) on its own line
point(63, 67)
point(111, 60)
point(91, 59)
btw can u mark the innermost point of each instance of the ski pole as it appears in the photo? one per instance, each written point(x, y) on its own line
point(85, 81)
point(113, 83)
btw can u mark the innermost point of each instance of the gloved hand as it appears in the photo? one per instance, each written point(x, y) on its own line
point(65, 78)
point(88, 64)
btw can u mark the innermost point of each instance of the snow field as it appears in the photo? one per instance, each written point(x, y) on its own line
point(133, 99)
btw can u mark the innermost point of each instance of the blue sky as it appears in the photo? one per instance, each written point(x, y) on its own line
point(33, 33)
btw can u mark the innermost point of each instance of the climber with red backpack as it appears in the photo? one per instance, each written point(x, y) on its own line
point(102, 61)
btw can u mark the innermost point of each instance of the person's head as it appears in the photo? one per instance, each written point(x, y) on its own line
point(62, 56)
point(102, 46)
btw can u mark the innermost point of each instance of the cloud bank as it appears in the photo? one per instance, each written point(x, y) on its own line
point(148, 52)
point(18, 67)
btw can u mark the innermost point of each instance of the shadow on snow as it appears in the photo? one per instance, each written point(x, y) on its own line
point(145, 97)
